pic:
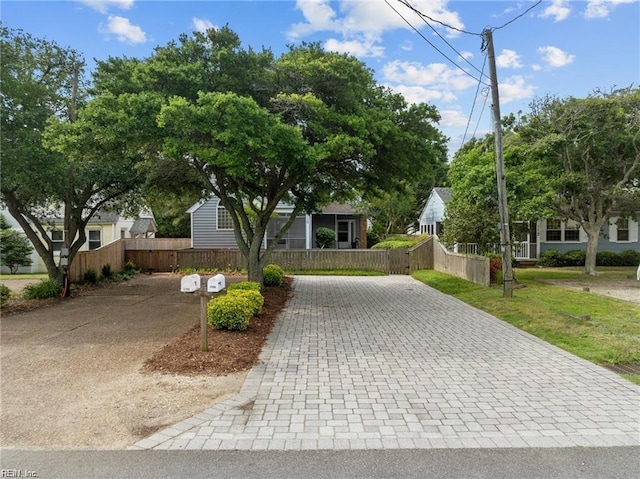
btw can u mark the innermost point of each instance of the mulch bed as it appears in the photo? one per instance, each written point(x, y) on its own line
point(229, 351)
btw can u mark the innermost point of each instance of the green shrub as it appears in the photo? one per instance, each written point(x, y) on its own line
point(43, 290)
point(5, 293)
point(230, 311)
point(551, 257)
point(273, 275)
point(575, 257)
point(90, 277)
point(325, 238)
point(394, 244)
point(130, 268)
point(630, 258)
point(106, 271)
point(245, 285)
point(256, 299)
point(608, 258)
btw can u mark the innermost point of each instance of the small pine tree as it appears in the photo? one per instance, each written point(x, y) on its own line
point(15, 248)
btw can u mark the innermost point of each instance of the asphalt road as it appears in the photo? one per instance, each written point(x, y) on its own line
point(583, 463)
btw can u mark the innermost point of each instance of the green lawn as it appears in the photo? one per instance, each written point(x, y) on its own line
point(611, 335)
point(23, 276)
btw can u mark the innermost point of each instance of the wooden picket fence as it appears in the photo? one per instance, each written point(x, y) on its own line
point(164, 255)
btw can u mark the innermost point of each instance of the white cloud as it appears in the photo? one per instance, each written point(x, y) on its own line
point(419, 94)
point(358, 48)
point(452, 118)
point(508, 59)
point(103, 6)
point(124, 31)
point(201, 24)
point(514, 88)
point(602, 8)
point(554, 57)
point(434, 75)
point(559, 10)
point(407, 46)
point(371, 18)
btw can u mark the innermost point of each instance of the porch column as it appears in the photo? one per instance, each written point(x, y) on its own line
point(309, 235)
point(363, 233)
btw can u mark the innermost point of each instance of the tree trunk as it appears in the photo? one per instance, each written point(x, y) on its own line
point(593, 234)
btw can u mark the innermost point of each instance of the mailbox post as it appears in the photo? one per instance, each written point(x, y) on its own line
point(193, 283)
point(204, 342)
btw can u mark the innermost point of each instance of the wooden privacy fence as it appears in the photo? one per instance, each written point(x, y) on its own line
point(470, 267)
point(161, 255)
point(112, 254)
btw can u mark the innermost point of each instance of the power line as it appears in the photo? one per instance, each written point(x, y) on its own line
point(424, 15)
point(519, 16)
point(432, 45)
point(464, 137)
point(406, 3)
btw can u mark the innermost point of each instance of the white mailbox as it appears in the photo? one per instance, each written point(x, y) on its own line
point(215, 284)
point(190, 284)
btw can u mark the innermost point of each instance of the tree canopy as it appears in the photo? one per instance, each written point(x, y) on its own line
point(305, 128)
point(573, 158)
point(63, 158)
point(588, 151)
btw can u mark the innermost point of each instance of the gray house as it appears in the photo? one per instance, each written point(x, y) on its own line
point(618, 235)
point(212, 228)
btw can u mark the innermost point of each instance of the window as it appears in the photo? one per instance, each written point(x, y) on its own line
point(554, 230)
point(123, 233)
point(224, 219)
point(571, 234)
point(57, 238)
point(95, 239)
point(623, 229)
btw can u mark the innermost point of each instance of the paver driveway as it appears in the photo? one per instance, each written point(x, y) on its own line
point(387, 362)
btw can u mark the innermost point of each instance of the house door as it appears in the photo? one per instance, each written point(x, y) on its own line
point(346, 233)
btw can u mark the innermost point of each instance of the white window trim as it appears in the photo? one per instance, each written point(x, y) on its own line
point(89, 240)
point(219, 208)
point(563, 228)
point(613, 231)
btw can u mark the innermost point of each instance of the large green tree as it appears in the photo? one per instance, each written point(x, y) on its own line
point(61, 160)
point(588, 151)
point(306, 128)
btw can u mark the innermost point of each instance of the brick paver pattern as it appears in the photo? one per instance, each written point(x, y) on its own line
point(387, 362)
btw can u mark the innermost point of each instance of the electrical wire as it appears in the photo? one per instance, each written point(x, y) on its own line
point(464, 137)
point(433, 46)
point(407, 4)
point(424, 15)
point(519, 16)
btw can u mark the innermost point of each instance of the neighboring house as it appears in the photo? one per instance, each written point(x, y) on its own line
point(618, 235)
point(433, 213)
point(102, 229)
point(211, 227)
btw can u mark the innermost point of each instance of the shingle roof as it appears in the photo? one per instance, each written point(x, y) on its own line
point(444, 193)
point(338, 209)
point(142, 226)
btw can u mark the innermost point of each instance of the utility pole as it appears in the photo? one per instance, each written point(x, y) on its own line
point(505, 235)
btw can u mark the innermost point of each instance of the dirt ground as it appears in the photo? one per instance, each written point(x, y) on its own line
point(624, 289)
point(98, 371)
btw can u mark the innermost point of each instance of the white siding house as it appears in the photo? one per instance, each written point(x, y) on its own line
point(433, 213)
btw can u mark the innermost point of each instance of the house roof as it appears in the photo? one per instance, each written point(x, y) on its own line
point(444, 193)
point(143, 225)
point(338, 209)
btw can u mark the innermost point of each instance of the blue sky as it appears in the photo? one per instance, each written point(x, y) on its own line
point(559, 47)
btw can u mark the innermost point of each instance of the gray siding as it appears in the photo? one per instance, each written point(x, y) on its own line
point(205, 232)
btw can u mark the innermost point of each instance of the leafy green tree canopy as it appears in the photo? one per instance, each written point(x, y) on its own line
point(306, 128)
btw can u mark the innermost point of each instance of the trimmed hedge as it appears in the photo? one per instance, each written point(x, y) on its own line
point(256, 299)
point(273, 275)
point(244, 285)
point(555, 258)
point(230, 311)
